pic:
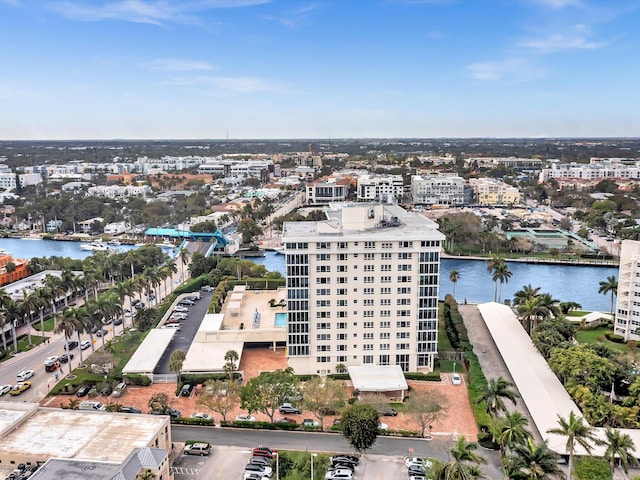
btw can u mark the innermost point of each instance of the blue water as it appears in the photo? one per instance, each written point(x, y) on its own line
point(565, 283)
point(28, 249)
point(280, 320)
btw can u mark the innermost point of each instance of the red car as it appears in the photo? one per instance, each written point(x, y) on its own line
point(264, 452)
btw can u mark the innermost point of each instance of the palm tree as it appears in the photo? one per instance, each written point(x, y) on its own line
point(526, 293)
point(610, 285)
point(454, 276)
point(512, 431)
point(79, 319)
point(493, 264)
point(176, 360)
point(130, 258)
point(146, 475)
point(184, 259)
point(65, 325)
point(68, 282)
point(550, 306)
point(56, 290)
point(144, 318)
point(123, 290)
point(578, 432)
point(4, 297)
point(502, 274)
point(532, 462)
point(497, 390)
point(530, 311)
point(30, 304)
point(13, 313)
point(462, 466)
point(620, 445)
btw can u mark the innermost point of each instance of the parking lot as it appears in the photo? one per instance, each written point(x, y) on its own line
point(228, 462)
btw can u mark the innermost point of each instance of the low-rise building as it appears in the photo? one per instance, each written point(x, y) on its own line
point(437, 189)
point(379, 187)
point(327, 190)
point(489, 191)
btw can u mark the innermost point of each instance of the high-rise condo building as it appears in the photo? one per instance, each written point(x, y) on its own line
point(362, 289)
point(627, 322)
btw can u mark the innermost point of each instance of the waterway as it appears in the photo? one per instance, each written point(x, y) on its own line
point(566, 283)
point(27, 249)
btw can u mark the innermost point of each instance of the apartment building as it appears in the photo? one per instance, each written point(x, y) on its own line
point(597, 169)
point(373, 188)
point(362, 289)
point(489, 191)
point(325, 191)
point(627, 323)
point(437, 189)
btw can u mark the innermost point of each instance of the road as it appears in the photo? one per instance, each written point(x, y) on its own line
point(326, 442)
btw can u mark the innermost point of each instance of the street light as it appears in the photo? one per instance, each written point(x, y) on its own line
point(454, 367)
point(312, 455)
point(277, 466)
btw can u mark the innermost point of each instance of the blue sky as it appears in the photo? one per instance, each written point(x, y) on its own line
point(97, 69)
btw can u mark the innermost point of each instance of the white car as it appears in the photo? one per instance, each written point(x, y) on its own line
point(5, 389)
point(201, 415)
point(51, 360)
point(245, 417)
point(24, 375)
point(180, 309)
point(340, 474)
point(84, 345)
point(408, 461)
point(456, 379)
point(383, 426)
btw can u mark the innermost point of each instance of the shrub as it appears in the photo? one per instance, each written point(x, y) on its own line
point(139, 380)
point(485, 439)
point(614, 338)
point(591, 468)
point(193, 421)
point(339, 376)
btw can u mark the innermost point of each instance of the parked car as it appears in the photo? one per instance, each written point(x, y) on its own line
point(172, 412)
point(344, 457)
point(245, 417)
point(383, 426)
point(64, 358)
point(288, 408)
point(180, 309)
point(117, 321)
point(25, 375)
point(267, 462)
point(5, 389)
point(186, 302)
point(129, 409)
point(18, 388)
point(261, 469)
point(456, 379)
point(85, 344)
point(207, 288)
point(408, 461)
point(199, 448)
point(388, 412)
point(201, 416)
point(185, 391)
point(264, 452)
point(341, 474)
point(106, 390)
point(310, 422)
point(416, 470)
point(285, 420)
point(173, 326)
point(83, 391)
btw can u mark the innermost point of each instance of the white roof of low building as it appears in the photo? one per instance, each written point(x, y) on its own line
point(146, 357)
point(209, 357)
point(541, 391)
point(377, 378)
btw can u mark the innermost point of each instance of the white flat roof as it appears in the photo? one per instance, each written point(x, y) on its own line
point(54, 432)
point(541, 391)
point(377, 378)
point(209, 357)
point(211, 322)
point(146, 357)
point(234, 305)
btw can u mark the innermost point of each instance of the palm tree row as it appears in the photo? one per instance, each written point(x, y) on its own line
point(497, 267)
point(534, 307)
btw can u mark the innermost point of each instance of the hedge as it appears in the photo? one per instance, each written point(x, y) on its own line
point(193, 421)
point(139, 380)
point(590, 468)
point(614, 338)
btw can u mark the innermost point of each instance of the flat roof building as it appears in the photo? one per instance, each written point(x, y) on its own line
point(362, 289)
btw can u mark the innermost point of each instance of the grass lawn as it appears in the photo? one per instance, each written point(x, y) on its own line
point(593, 337)
point(446, 366)
point(23, 342)
point(577, 313)
point(48, 325)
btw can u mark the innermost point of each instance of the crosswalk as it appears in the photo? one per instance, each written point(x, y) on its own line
point(185, 471)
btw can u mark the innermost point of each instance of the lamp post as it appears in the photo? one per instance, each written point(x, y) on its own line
point(277, 466)
point(312, 455)
point(430, 428)
point(454, 367)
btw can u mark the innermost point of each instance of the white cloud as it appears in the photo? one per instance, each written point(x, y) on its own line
point(295, 17)
point(578, 39)
point(559, 3)
point(510, 70)
point(157, 12)
point(178, 65)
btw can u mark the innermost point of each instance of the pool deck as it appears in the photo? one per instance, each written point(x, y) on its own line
point(253, 300)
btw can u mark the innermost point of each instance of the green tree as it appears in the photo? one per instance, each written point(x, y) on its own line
point(266, 392)
point(577, 432)
point(494, 394)
point(249, 229)
point(231, 363)
point(144, 318)
point(463, 465)
point(454, 276)
point(323, 396)
point(502, 274)
point(620, 445)
point(176, 360)
point(511, 431)
point(159, 402)
point(360, 424)
point(532, 461)
point(223, 397)
point(609, 286)
point(581, 365)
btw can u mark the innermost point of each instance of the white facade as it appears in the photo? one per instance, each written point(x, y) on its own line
point(599, 169)
point(323, 192)
point(362, 289)
point(378, 187)
point(437, 189)
point(627, 322)
point(119, 191)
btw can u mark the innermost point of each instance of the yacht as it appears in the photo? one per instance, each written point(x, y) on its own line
point(114, 241)
point(96, 245)
point(279, 250)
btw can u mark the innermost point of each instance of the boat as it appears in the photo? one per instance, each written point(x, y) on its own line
point(279, 250)
point(115, 242)
point(95, 246)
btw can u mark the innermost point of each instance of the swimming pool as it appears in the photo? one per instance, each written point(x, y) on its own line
point(280, 320)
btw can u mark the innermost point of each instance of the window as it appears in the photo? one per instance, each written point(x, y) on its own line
point(323, 326)
point(342, 256)
point(323, 280)
point(323, 256)
point(404, 290)
point(403, 335)
point(342, 291)
point(385, 301)
point(385, 279)
point(384, 360)
point(368, 336)
point(342, 244)
point(385, 313)
point(403, 313)
point(342, 314)
point(342, 348)
point(371, 279)
point(369, 256)
point(368, 302)
point(403, 324)
point(404, 268)
point(323, 336)
point(385, 346)
point(342, 268)
point(323, 268)
point(402, 346)
point(404, 278)
point(323, 348)
point(385, 324)
point(323, 359)
point(385, 291)
point(369, 244)
point(387, 245)
point(368, 313)
point(342, 280)
point(323, 246)
point(385, 335)
point(341, 303)
point(385, 256)
point(323, 291)
point(367, 325)
point(405, 244)
point(323, 303)
point(385, 268)
point(341, 325)
point(367, 347)
point(342, 336)
point(404, 255)
point(323, 315)
point(369, 268)
point(367, 359)
point(342, 358)
point(368, 291)
point(403, 301)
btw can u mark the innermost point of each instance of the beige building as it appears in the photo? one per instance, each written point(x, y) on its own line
point(489, 191)
point(362, 289)
point(102, 442)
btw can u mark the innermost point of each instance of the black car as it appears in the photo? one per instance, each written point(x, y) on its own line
point(129, 409)
point(64, 358)
point(346, 458)
point(172, 412)
point(117, 321)
point(342, 465)
point(388, 412)
point(416, 470)
point(185, 391)
point(83, 391)
point(101, 333)
point(260, 461)
point(73, 344)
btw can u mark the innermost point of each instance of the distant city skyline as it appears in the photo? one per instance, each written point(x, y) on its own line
point(242, 69)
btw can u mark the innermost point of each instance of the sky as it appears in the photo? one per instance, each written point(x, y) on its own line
point(243, 69)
